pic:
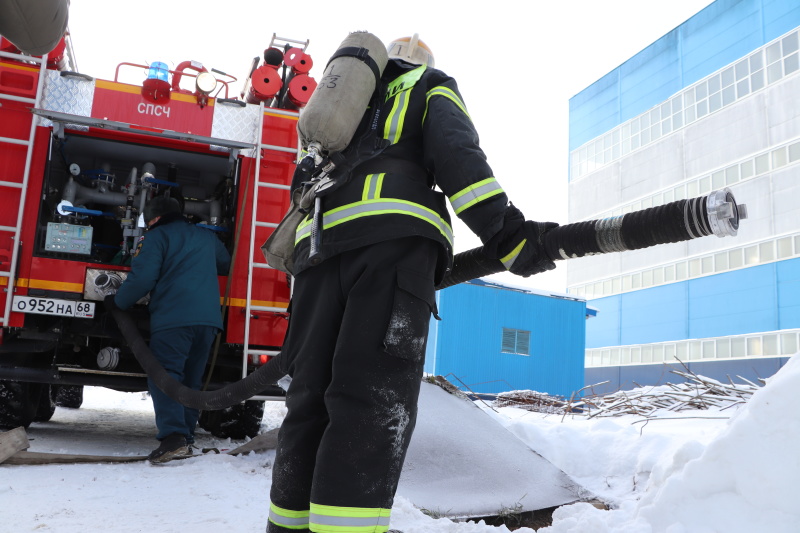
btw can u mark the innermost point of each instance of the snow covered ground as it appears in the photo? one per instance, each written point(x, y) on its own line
point(693, 474)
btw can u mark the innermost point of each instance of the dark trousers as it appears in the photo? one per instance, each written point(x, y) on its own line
point(183, 353)
point(356, 348)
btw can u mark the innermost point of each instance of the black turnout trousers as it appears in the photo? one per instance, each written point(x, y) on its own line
point(355, 348)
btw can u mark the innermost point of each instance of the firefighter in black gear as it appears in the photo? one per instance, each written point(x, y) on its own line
point(355, 345)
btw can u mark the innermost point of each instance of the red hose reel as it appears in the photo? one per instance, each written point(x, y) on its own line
point(267, 83)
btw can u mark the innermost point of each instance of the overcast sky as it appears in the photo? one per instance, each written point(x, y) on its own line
point(517, 64)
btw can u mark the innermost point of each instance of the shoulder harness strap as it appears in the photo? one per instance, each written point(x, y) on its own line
point(361, 54)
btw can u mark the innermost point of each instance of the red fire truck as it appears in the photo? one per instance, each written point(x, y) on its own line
point(80, 158)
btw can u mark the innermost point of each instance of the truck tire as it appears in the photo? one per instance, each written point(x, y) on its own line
point(47, 405)
point(18, 403)
point(236, 422)
point(70, 396)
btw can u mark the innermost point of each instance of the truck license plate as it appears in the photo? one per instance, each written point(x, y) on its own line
point(53, 306)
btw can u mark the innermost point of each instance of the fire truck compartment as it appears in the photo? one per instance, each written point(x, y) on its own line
point(94, 190)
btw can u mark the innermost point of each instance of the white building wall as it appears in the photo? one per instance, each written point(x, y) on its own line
point(748, 129)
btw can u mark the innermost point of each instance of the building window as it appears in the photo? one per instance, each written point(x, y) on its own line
point(516, 341)
point(767, 65)
point(768, 251)
point(769, 344)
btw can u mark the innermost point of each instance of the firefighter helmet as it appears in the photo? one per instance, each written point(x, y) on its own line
point(411, 49)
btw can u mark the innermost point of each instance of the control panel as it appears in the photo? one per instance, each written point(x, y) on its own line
point(68, 238)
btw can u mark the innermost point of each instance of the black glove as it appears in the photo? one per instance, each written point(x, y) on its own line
point(109, 302)
point(507, 245)
point(531, 258)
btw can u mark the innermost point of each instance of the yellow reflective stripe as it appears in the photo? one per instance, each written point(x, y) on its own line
point(372, 186)
point(288, 518)
point(365, 194)
point(475, 193)
point(447, 93)
point(394, 122)
point(404, 82)
point(328, 528)
point(358, 512)
point(379, 185)
point(508, 260)
point(400, 88)
point(331, 519)
point(287, 525)
point(387, 127)
point(379, 206)
point(289, 512)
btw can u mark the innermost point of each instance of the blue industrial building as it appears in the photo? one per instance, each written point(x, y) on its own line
point(712, 104)
point(495, 338)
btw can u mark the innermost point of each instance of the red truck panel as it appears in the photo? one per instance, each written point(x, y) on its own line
point(124, 103)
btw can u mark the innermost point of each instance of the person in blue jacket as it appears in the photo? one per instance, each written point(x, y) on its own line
point(178, 264)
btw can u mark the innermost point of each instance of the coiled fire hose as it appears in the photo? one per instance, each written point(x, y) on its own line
point(683, 220)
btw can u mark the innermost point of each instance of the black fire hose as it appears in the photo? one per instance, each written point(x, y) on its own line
point(231, 394)
point(683, 220)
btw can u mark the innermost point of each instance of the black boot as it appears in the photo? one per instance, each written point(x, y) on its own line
point(172, 447)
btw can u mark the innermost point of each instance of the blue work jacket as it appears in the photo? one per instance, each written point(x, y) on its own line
point(178, 264)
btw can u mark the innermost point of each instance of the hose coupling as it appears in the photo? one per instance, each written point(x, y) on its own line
point(724, 213)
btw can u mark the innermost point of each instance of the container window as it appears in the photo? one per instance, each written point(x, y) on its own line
point(516, 341)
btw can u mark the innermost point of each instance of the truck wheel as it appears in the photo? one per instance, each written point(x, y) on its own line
point(236, 422)
point(18, 403)
point(47, 405)
point(70, 396)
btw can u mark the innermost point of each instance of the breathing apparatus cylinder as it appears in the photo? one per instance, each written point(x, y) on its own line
point(336, 107)
point(56, 58)
point(34, 28)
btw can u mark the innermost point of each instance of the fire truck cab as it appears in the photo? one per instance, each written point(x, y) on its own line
point(80, 157)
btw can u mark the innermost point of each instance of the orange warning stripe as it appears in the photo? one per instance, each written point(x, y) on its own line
point(78, 287)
